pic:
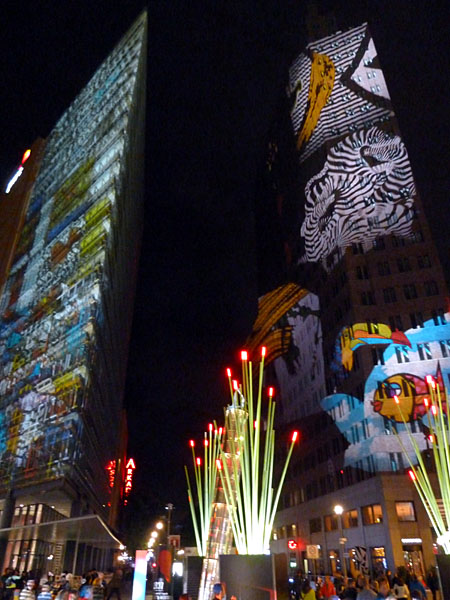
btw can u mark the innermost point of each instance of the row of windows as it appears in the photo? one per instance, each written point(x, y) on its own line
point(371, 514)
point(410, 292)
point(396, 242)
point(404, 264)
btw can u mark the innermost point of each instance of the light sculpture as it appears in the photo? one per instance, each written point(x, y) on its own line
point(436, 408)
point(246, 467)
point(205, 476)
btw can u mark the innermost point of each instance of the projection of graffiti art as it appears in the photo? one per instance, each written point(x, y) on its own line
point(337, 88)
point(368, 426)
point(365, 190)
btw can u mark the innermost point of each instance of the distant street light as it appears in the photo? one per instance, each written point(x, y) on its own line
point(159, 525)
point(154, 534)
point(338, 510)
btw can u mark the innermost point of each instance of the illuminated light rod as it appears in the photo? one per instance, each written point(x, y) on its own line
point(436, 407)
point(19, 171)
point(246, 469)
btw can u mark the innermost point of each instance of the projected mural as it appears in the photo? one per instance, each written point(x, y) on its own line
point(406, 361)
point(361, 186)
point(53, 305)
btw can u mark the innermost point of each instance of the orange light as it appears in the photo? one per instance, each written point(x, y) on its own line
point(26, 156)
point(244, 355)
point(235, 384)
point(411, 474)
point(294, 436)
point(198, 461)
point(431, 438)
point(191, 443)
point(397, 401)
point(271, 390)
point(263, 351)
point(228, 372)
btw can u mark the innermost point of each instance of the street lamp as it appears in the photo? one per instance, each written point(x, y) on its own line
point(338, 510)
point(159, 525)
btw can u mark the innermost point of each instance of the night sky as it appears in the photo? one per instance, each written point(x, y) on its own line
point(216, 74)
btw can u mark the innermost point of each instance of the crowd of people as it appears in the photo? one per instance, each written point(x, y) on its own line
point(93, 585)
point(401, 586)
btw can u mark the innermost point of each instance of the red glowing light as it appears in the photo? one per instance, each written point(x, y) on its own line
point(271, 390)
point(426, 402)
point(130, 464)
point(430, 380)
point(191, 443)
point(198, 461)
point(244, 355)
point(228, 372)
point(210, 427)
point(26, 156)
point(218, 464)
point(411, 474)
point(434, 410)
point(294, 436)
point(292, 544)
point(206, 443)
point(111, 468)
point(235, 384)
point(220, 430)
point(431, 438)
point(154, 565)
point(255, 424)
point(263, 351)
point(397, 401)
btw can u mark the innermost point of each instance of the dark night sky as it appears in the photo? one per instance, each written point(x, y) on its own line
point(216, 73)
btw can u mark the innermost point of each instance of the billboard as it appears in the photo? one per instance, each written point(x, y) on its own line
point(359, 184)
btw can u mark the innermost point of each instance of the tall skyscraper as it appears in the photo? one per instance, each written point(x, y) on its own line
point(376, 321)
point(65, 316)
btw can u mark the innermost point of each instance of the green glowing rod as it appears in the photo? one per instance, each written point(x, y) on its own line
point(246, 469)
point(205, 474)
point(439, 427)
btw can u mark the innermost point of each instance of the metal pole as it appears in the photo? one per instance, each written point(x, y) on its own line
point(342, 544)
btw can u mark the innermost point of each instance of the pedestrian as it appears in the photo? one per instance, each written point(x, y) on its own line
point(45, 593)
point(307, 592)
point(217, 591)
point(114, 585)
point(415, 585)
point(384, 590)
point(364, 593)
point(27, 593)
point(432, 581)
point(401, 591)
point(327, 589)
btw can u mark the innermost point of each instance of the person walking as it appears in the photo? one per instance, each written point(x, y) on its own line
point(307, 592)
point(327, 589)
point(384, 590)
point(364, 593)
point(400, 589)
point(115, 585)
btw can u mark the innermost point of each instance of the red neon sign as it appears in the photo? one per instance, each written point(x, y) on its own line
point(111, 468)
point(292, 545)
point(130, 466)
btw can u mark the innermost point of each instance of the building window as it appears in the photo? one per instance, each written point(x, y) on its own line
point(405, 511)
point(410, 291)
point(350, 519)
point(362, 272)
point(424, 351)
point(372, 514)
point(379, 244)
point(445, 348)
point(384, 268)
point(438, 317)
point(367, 298)
point(357, 249)
point(315, 525)
point(331, 522)
point(416, 319)
point(379, 561)
point(395, 322)
point(424, 262)
point(397, 242)
point(417, 237)
point(431, 288)
point(403, 264)
point(389, 295)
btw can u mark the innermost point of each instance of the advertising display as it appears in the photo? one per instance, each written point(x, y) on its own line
point(53, 309)
point(360, 184)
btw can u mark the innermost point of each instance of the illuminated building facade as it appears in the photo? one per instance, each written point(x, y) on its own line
point(358, 241)
point(65, 315)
